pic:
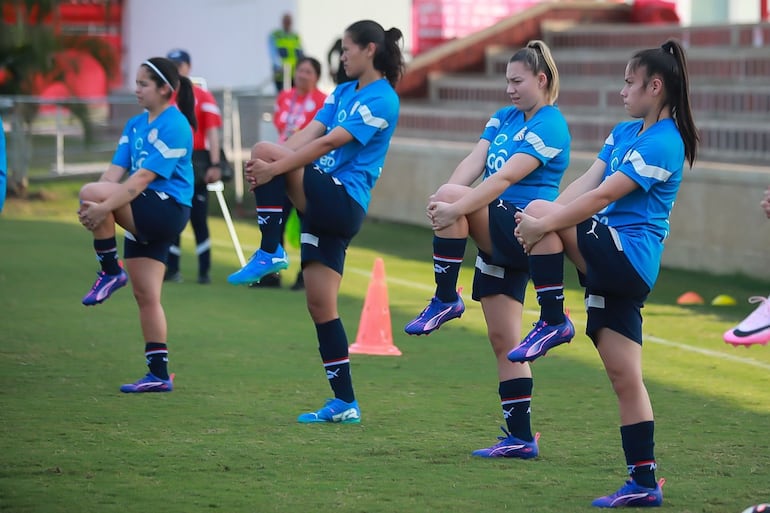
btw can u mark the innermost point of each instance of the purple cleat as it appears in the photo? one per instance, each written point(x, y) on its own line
point(543, 337)
point(104, 286)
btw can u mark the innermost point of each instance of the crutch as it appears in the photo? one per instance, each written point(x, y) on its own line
point(217, 187)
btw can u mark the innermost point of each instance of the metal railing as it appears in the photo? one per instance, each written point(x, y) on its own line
point(44, 139)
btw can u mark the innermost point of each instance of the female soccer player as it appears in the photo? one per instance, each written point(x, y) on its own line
point(754, 329)
point(207, 168)
point(152, 204)
point(329, 169)
point(294, 110)
point(522, 155)
point(612, 222)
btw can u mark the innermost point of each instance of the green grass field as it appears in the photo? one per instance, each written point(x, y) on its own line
point(246, 364)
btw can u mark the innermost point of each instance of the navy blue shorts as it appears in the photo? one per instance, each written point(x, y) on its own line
point(158, 219)
point(330, 220)
point(615, 293)
point(506, 270)
point(490, 279)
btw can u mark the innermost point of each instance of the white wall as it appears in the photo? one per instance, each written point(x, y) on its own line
point(320, 23)
point(714, 11)
point(226, 38)
point(744, 11)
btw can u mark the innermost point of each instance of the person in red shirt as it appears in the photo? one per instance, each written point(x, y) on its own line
point(297, 107)
point(206, 164)
point(294, 109)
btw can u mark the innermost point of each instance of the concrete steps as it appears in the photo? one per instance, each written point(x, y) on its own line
point(729, 86)
point(731, 101)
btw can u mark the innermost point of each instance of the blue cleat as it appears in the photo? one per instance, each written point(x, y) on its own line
point(149, 383)
point(260, 265)
point(434, 315)
point(335, 410)
point(631, 495)
point(542, 338)
point(510, 447)
point(104, 286)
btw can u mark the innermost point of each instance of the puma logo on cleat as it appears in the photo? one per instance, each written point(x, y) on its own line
point(348, 414)
point(436, 319)
point(104, 292)
point(537, 346)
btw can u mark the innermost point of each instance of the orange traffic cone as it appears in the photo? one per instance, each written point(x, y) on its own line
point(375, 335)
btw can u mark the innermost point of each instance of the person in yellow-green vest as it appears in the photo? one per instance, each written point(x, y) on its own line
point(285, 48)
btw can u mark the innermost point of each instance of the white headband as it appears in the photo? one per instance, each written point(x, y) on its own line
point(156, 70)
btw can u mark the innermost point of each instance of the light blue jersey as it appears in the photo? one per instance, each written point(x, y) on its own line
point(370, 115)
point(545, 136)
point(163, 147)
point(654, 160)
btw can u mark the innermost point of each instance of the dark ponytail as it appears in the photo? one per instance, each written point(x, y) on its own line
point(185, 101)
point(164, 72)
point(388, 58)
point(670, 63)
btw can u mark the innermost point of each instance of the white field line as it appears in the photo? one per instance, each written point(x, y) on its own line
point(647, 338)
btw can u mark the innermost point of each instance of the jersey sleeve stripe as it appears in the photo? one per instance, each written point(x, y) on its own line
point(540, 147)
point(169, 153)
point(647, 170)
point(372, 120)
point(493, 123)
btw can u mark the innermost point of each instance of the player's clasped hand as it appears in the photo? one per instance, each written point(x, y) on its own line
point(527, 231)
point(257, 173)
point(441, 214)
point(90, 215)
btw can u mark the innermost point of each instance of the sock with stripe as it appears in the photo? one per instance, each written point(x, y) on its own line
point(516, 398)
point(174, 252)
point(107, 255)
point(203, 250)
point(270, 198)
point(639, 445)
point(333, 346)
point(547, 273)
point(156, 354)
point(447, 259)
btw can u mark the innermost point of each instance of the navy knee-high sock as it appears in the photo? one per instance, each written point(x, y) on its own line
point(107, 255)
point(447, 259)
point(547, 273)
point(516, 398)
point(270, 202)
point(333, 346)
point(639, 445)
point(156, 354)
